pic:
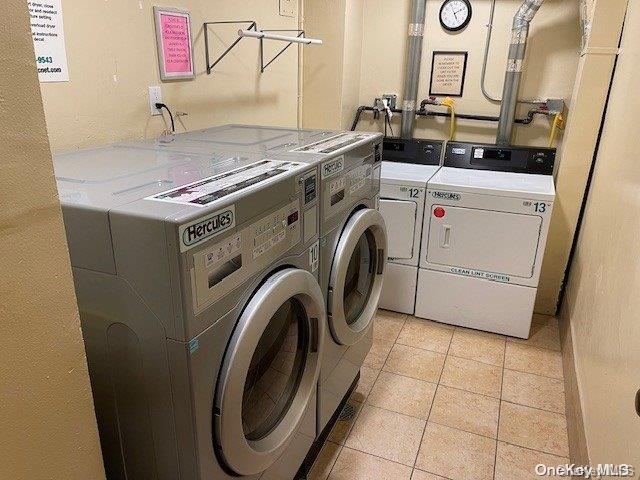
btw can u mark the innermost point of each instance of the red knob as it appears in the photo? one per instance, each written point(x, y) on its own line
point(438, 212)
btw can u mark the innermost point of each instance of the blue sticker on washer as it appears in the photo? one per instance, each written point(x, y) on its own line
point(194, 345)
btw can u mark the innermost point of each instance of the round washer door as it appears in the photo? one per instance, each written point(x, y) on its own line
point(355, 282)
point(270, 371)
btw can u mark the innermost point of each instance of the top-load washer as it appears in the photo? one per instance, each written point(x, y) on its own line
point(202, 316)
point(407, 166)
point(485, 230)
point(353, 251)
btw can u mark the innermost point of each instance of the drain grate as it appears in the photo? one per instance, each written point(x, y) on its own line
point(347, 413)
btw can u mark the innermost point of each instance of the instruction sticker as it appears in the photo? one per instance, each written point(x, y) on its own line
point(314, 256)
point(47, 29)
point(335, 143)
point(203, 192)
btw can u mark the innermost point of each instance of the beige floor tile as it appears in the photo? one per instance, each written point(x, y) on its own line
point(426, 334)
point(420, 475)
point(466, 411)
point(480, 346)
point(415, 362)
point(533, 390)
point(324, 462)
point(517, 463)
point(533, 428)
point(386, 434)
point(456, 454)
point(378, 354)
point(355, 465)
point(365, 384)
point(342, 427)
point(402, 394)
point(387, 325)
point(540, 361)
point(472, 376)
point(544, 333)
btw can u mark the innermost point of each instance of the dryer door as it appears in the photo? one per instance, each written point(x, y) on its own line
point(355, 281)
point(270, 371)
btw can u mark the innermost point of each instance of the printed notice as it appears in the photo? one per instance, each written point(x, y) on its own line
point(47, 30)
point(173, 28)
point(447, 73)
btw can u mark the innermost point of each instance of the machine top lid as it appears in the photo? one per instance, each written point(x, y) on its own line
point(254, 136)
point(503, 184)
point(161, 184)
point(407, 173)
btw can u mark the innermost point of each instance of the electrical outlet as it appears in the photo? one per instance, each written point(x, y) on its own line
point(155, 96)
point(288, 8)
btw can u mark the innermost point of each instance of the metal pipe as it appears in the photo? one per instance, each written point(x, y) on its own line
point(412, 69)
point(487, 44)
point(282, 38)
point(513, 75)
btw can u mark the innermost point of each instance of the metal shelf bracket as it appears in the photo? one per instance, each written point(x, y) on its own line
point(252, 26)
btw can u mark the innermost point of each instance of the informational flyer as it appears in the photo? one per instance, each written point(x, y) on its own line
point(47, 30)
point(448, 70)
point(175, 52)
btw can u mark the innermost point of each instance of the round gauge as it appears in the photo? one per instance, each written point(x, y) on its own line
point(455, 14)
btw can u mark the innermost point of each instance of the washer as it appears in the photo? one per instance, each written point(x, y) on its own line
point(407, 166)
point(353, 252)
point(203, 319)
point(485, 230)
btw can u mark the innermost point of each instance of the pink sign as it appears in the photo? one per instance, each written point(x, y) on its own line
point(176, 44)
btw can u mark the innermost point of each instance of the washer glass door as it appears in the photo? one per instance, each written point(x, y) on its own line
point(270, 371)
point(355, 282)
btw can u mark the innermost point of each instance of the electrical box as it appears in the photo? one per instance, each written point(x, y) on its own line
point(288, 8)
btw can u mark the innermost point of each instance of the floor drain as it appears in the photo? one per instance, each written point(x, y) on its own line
point(347, 413)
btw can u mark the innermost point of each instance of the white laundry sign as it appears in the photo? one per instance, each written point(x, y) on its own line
point(47, 30)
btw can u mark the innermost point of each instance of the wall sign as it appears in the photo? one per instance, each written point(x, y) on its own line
point(47, 30)
point(448, 70)
point(175, 46)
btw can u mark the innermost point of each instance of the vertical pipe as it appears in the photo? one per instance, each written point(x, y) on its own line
point(412, 69)
point(517, 49)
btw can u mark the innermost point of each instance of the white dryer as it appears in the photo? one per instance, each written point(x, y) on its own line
point(407, 166)
point(485, 227)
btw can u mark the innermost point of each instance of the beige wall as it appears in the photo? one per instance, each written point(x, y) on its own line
point(602, 302)
point(112, 60)
point(47, 424)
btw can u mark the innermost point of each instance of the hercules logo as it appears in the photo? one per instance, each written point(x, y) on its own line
point(195, 232)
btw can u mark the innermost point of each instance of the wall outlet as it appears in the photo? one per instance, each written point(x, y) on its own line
point(155, 96)
point(288, 8)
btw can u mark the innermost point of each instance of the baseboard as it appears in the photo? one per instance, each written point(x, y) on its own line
point(578, 451)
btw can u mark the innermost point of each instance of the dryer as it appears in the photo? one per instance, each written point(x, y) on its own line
point(202, 316)
point(407, 166)
point(353, 252)
point(485, 228)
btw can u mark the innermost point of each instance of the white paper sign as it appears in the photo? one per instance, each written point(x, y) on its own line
point(448, 70)
point(47, 30)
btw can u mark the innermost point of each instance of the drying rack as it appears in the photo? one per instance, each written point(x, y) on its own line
point(252, 32)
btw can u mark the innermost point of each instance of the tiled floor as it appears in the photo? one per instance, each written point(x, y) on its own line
point(435, 401)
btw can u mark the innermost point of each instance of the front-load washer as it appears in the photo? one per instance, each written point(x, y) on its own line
point(353, 252)
point(202, 316)
point(238, 138)
point(407, 166)
point(485, 228)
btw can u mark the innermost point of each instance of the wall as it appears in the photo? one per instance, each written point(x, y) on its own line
point(112, 60)
point(46, 410)
point(602, 302)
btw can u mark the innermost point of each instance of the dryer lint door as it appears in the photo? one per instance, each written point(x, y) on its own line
point(485, 241)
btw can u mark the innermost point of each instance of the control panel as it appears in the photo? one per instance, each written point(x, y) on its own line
point(222, 266)
point(535, 160)
point(412, 150)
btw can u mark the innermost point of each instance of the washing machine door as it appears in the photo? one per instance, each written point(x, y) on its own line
point(355, 281)
point(270, 371)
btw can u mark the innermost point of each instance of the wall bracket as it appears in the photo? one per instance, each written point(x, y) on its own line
point(252, 26)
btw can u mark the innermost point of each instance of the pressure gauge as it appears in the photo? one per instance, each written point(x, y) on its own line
point(455, 15)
